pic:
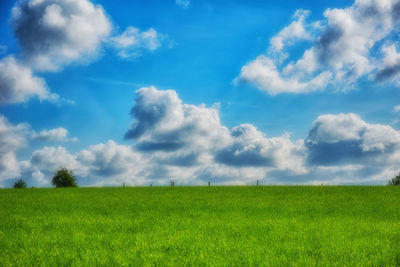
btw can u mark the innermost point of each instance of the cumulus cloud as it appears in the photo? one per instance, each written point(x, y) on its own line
point(163, 123)
point(12, 138)
point(110, 159)
point(344, 48)
point(396, 108)
point(346, 139)
point(55, 33)
point(132, 42)
point(183, 3)
point(390, 65)
point(250, 147)
point(18, 83)
point(101, 164)
point(192, 138)
point(57, 134)
point(172, 140)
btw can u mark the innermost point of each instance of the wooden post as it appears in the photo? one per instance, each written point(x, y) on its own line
point(257, 183)
point(123, 184)
point(209, 183)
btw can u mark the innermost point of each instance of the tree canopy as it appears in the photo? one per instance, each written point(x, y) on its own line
point(395, 180)
point(64, 178)
point(20, 184)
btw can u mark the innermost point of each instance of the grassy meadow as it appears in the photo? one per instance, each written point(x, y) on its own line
point(213, 226)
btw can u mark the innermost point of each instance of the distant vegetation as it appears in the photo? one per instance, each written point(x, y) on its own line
point(64, 178)
point(201, 226)
point(20, 184)
point(395, 180)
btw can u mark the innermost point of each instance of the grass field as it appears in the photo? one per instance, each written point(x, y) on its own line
point(228, 226)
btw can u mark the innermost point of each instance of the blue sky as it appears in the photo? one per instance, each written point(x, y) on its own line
point(230, 56)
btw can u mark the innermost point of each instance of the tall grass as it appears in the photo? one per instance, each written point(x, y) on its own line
point(227, 226)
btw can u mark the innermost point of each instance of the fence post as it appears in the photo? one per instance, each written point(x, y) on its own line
point(209, 183)
point(257, 182)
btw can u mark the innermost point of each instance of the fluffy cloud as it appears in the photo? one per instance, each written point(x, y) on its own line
point(110, 159)
point(12, 138)
point(18, 84)
point(294, 32)
point(396, 108)
point(163, 123)
point(390, 65)
point(178, 135)
point(250, 147)
point(57, 134)
point(132, 42)
point(263, 73)
point(188, 144)
point(100, 164)
point(345, 47)
point(55, 33)
point(346, 139)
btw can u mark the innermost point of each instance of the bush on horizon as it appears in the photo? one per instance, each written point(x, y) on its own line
point(64, 178)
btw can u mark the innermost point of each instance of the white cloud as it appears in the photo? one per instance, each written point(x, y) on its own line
point(18, 84)
point(12, 138)
point(396, 108)
point(111, 159)
point(55, 33)
point(163, 123)
point(57, 134)
point(346, 139)
point(294, 32)
point(49, 159)
point(132, 42)
point(183, 3)
point(250, 147)
point(265, 75)
point(188, 144)
point(343, 50)
point(107, 163)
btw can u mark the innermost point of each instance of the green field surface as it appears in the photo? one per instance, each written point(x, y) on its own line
point(201, 226)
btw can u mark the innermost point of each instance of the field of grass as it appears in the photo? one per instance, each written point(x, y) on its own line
point(174, 226)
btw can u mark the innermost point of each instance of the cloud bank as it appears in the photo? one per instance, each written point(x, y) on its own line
point(172, 140)
point(349, 44)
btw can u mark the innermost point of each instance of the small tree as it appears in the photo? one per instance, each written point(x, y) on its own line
point(20, 184)
point(64, 178)
point(395, 180)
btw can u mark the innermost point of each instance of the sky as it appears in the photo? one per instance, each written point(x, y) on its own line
point(145, 92)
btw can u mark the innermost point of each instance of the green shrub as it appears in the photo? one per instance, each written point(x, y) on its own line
point(64, 178)
point(395, 180)
point(20, 184)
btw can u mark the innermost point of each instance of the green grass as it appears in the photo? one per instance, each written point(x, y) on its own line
point(227, 226)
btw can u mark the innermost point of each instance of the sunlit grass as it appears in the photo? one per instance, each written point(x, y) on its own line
point(230, 226)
